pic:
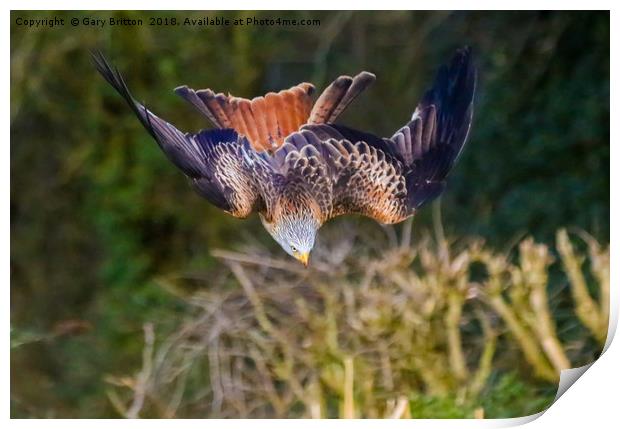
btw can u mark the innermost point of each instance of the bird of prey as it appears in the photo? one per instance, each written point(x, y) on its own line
point(284, 157)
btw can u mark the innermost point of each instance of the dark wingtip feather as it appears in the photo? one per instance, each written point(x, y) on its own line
point(446, 110)
point(452, 95)
point(454, 84)
point(111, 75)
point(115, 79)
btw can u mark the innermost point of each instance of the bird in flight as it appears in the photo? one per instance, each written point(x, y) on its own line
point(284, 157)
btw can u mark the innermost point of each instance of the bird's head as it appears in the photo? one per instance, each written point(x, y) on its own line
point(295, 232)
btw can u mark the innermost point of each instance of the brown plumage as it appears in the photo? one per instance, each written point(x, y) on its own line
point(267, 121)
point(284, 158)
point(338, 96)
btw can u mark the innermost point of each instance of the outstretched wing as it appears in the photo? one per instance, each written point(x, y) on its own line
point(267, 121)
point(221, 164)
point(434, 138)
point(386, 179)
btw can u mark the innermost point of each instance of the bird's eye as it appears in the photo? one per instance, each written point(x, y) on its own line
point(293, 249)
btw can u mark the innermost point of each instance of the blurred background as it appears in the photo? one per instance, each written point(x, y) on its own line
point(131, 296)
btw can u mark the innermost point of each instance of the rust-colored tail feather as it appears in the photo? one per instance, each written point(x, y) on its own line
point(267, 121)
point(260, 118)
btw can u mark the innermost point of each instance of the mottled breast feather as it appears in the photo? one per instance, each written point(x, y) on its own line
point(345, 176)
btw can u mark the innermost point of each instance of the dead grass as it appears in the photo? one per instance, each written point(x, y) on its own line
point(374, 320)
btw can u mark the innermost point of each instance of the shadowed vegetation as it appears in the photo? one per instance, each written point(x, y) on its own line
point(362, 334)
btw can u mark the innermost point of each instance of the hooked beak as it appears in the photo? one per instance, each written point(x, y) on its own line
point(303, 258)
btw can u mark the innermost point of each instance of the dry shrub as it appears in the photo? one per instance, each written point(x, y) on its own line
point(372, 322)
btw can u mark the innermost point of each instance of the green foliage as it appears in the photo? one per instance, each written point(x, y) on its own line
point(506, 397)
point(511, 397)
point(97, 212)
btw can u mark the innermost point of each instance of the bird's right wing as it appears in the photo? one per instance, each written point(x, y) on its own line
point(432, 141)
point(221, 164)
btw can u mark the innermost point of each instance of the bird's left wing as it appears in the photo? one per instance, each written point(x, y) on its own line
point(387, 179)
point(220, 163)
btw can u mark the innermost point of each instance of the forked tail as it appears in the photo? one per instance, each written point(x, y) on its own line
point(267, 121)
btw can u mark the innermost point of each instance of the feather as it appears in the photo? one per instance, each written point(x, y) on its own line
point(386, 179)
point(337, 96)
point(260, 121)
point(438, 129)
point(279, 147)
point(221, 164)
point(270, 119)
point(265, 121)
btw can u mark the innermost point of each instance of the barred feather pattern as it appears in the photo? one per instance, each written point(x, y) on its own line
point(234, 170)
point(367, 182)
point(344, 177)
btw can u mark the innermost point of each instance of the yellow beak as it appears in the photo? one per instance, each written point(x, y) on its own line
point(303, 258)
